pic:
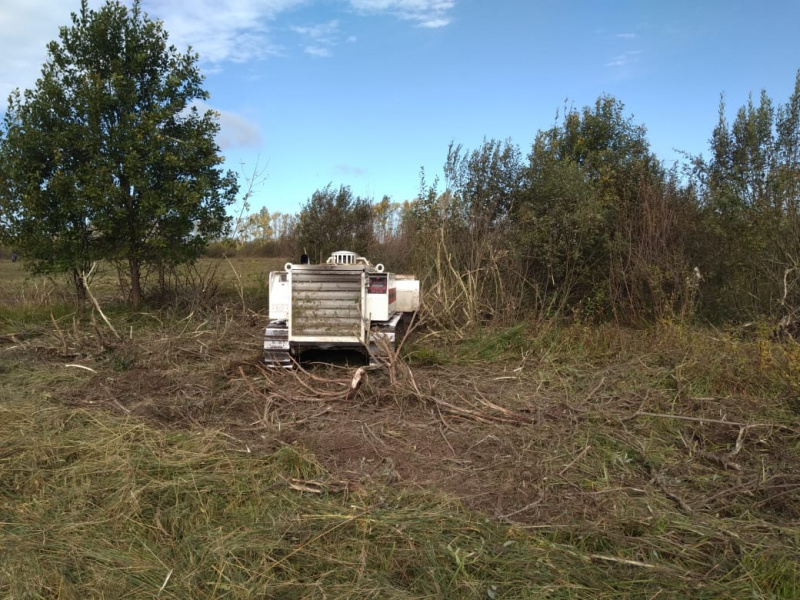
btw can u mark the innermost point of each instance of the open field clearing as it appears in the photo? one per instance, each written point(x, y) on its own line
point(209, 280)
point(541, 461)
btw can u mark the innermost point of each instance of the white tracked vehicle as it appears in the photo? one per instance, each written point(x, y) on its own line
point(344, 304)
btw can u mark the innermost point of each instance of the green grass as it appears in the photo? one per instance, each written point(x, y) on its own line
point(96, 506)
point(157, 474)
point(100, 507)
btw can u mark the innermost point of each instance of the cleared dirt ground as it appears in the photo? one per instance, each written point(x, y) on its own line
point(528, 438)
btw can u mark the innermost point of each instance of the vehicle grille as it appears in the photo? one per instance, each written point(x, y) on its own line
point(327, 304)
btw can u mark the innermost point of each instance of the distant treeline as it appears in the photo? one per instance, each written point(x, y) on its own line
point(589, 223)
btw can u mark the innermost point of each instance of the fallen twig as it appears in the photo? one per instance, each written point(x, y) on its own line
point(267, 399)
point(591, 394)
point(720, 460)
point(533, 504)
point(60, 335)
point(626, 561)
point(509, 413)
point(672, 496)
point(166, 581)
point(739, 441)
point(85, 368)
point(86, 277)
point(576, 459)
point(705, 420)
point(325, 410)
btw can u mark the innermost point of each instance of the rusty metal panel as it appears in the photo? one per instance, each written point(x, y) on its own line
point(327, 304)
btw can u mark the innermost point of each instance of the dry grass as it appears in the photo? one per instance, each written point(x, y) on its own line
point(208, 282)
point(655, 463)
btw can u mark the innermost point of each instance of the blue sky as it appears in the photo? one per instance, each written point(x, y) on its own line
point(365, 92)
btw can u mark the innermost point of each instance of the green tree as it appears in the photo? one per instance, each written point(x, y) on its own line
point(334, 220)
point(749, 188)
point(261, 227)
point(384, 213)
point(585, 220)
point(108, 156)
point(472, 257)
point(484, 183)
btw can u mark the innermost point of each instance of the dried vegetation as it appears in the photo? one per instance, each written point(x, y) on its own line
point(536, 461)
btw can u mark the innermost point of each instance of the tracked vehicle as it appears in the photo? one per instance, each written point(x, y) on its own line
point(344, 304)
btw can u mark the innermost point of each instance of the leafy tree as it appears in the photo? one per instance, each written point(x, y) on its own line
point(559, 227)
point(260, 226)
point(587, 211)
point(484, 182)
point(334, 220)
point(384, 213)
point(109, 156)
point(749, 188)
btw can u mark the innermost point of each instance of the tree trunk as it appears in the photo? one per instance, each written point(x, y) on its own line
point(136, 285)
point(80, 288)
point(162, 279)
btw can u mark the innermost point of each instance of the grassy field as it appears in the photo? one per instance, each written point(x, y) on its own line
point(540, 461)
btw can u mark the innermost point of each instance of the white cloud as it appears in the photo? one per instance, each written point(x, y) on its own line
point(426, 13)
point(321, 31)
point(318, 51)
point(26, 27)
point(221, 30)
point(350, 170)
point(323, 37)
point(627, 36)
point(234, 130)
point(626, 59)
point(237, 132)
point(618, 61)
point(434, 23)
